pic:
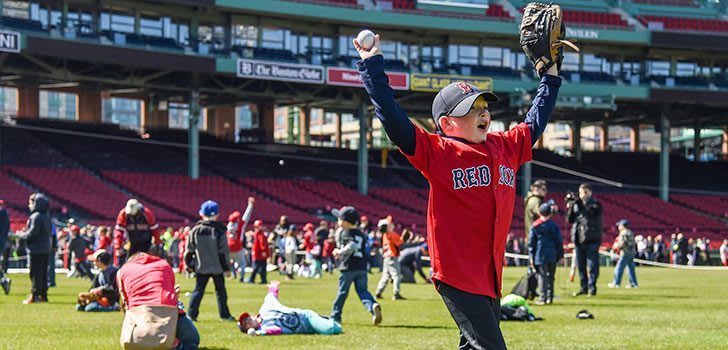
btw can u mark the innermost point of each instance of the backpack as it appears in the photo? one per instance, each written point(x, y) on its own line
point(526, 286)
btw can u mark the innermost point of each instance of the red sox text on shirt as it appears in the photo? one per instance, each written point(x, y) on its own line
point(480, 176)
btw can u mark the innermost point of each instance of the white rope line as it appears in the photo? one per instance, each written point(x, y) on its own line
point(577, 173)
point(660, 264)
point(641, 261)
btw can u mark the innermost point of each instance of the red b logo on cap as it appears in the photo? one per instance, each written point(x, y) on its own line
point(465, 87)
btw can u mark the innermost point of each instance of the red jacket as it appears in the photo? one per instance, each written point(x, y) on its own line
point(309, 240)
point(235, 235)
point(261, 251)
point(146, 280)
point(328, 248)
point(104, 243)
point(124, 225)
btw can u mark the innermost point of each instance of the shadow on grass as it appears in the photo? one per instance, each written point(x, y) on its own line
point(212, 348)
point(414, 326)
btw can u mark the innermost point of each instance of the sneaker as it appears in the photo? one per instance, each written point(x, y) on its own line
point(549, 301)
point(540, 302)
point(229, 318)
point(632, 286)
point(30, 300)
point(592, 293)
point(378, 296)
point(398, 297)
point(376, 314)
point(613, 285)
point(581, 292)
point(6, 285)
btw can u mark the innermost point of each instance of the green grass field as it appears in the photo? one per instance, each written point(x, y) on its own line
point(672, 310)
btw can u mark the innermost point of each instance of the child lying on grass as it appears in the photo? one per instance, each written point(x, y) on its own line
point(274, 318)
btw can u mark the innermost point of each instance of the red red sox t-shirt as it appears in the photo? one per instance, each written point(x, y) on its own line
point(472, 193)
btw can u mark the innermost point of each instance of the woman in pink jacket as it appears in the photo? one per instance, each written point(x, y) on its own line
point(148, 292)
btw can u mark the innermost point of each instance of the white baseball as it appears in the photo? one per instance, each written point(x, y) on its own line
point(365, 39)
point(281, 162)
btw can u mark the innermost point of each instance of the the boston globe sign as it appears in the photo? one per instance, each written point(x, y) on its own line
point(268, 70)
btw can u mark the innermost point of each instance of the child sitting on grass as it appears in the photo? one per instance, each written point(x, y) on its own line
point(104, 292)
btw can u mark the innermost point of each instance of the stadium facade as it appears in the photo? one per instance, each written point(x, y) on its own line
point(651, 76)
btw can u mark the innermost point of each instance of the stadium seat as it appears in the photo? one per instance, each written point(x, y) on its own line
point(686, 24)
point(601, 19)
point(495, 10)
point(711, 204)
point(186, 195)
point(82, 190)
point(680, 3)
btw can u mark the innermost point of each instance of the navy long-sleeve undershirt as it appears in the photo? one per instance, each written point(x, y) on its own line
point(401, 130)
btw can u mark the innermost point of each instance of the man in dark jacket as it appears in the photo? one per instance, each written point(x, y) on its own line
point(38, 238)
point(4, 230)
point(585, 215)
point(208, 255)
point(351, 250)
point(545, 249)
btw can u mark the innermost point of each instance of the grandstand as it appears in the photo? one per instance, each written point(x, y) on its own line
point(103, 105)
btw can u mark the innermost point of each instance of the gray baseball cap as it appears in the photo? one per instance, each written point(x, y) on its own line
point(456, 99)
point(348, 214)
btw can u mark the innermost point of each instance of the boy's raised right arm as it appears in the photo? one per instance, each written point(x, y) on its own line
point(396, 123)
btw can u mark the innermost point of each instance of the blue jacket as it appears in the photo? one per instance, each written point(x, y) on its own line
point(544, 243)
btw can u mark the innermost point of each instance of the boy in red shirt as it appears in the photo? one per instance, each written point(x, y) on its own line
point(472, 187)
point(261, 252)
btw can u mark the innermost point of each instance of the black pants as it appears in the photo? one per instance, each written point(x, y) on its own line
point(477, 317)
point(259, 267)
point(587, 256)
point(199, 292)
point(4, 256)
point(39, 275)
point(546, 280)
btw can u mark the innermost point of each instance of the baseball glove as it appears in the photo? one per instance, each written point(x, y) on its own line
point(542, 36)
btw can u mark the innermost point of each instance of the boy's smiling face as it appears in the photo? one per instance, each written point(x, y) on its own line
point(472, 127)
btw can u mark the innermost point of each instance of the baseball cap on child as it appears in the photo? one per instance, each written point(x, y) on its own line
point(209, 208)
point(234, 216)
point(383, 223)
point(348, 214)
point(456, 99)
point(545, 209)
